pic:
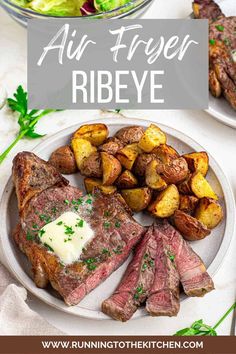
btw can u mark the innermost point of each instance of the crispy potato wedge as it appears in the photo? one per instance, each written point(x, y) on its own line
point(111, 168)
point(200, 186)
point(184, 187)
point(128, 155)
point(96, 134)
point(152, 138)
point(191, 228)
point(63, 159)
point(141, 163)
point(188, 203)
point(166, 203)
point(137, 198)
point(82, 149)
point(198, 162)
point(209, 212)
point(126, 180)
point(111, 146)
point(130, 135)
point(165, 153)
point(92, 166)
point(153, 179)
point(91, 183)
point(174, 172)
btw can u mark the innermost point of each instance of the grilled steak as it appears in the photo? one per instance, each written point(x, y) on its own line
point(32, 175)
point(193, 275)
point(163, 298)
point(115, 233)
point(137, 280)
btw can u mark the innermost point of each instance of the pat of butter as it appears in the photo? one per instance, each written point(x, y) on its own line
point(66, 236)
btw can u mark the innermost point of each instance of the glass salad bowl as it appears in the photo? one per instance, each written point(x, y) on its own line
point(22, 10)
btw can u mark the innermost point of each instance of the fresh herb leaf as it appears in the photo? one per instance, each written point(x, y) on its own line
point(80, 223)
point(29, 237)
point(220, 28)
point(60, 223)
point(27, 120)
point(48, 247)
point(212, 41)
point(106, 224)
point(117, 224)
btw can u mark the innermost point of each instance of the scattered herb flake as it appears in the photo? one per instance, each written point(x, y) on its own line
point(29, 237)
point(60, 223)
point(41, 232)
point(66, 201)
point(212, 41)
point(220, 28)
point(106, 224)
point(48, 247)
point(107, 213)
point(80, 223)
point(117, 224)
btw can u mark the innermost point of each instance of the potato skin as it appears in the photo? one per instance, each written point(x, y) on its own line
point(130, 135)
point(165, 153)
point(141, 163)
point(126, 180)
point(63, 159)
point(92, 166)
point(111, 146)
point(209, 212)
point(166, 203)
point(111, 168)
point(188, 203)
point(184, 187)
point(137, 198)
point(190, 227)
point(198, 162)
point(174, 172)
point(91, 183)
point(82, 149)
point(152, 178)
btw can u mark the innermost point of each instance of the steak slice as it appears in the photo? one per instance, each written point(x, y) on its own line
point(192, 271)
point(112, 243)
point(32, 175)
point(163, 297)
point(206, 9)
point(136, 282)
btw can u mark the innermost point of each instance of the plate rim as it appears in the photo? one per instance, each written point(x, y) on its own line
point(46, 297)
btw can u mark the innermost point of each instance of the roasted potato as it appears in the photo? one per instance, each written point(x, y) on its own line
point(141, 163)
point(91, 183)
point(184, 187)
point(188, 203)
point(128, 155)
point(111, 146)
point(209, 212)
point(196, 10)
point(82, 150)
point(200, 186)
point(153, 179)
point(152, 138)
point(126, 180)
point(111, 168)
point(174, 172)
point(130, 135)
point(214, 84)
point(166, 203)
point(198, 162)
point(96, 134)
point(165, 153)
point(137, 198)
point(92, 166)
point(63, 159)
point(191, 228)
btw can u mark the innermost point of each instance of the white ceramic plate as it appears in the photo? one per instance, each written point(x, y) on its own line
point(212, 249)
point(219, 107)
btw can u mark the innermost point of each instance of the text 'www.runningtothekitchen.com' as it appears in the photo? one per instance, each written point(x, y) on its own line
point(90, 344)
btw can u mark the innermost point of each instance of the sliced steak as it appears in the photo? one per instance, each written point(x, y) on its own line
point(136, 282)
point(163, 298)
point(32, 175)
point(206, 9)
point(192, 271)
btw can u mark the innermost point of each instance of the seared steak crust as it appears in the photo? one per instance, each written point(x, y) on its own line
point(136, 282)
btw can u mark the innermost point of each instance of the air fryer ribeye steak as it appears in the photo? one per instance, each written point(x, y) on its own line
point(115, 233)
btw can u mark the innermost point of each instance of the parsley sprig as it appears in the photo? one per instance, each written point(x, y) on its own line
point(27, 118)
point(199, 328)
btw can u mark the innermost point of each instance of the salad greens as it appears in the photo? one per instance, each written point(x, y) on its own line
point(70, 7)
point(27, 120)
point(199, 328)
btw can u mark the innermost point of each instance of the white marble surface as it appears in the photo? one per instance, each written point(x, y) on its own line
point(218, 139)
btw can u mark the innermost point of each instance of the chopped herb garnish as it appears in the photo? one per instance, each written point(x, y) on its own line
point(107, 213)
point(89, 201)
point(29, 237)
point(35, 226)
point(106, 251)
point(76, 207)
point(62, 264)
point(139, 291)
point(220, 28)
point(227, 41)
point(118, 250)
point(66, 201)
point(151, 263)
point(90, 260)
point(91, 266)
point(48, 247)
point(80, 223)
point(144, 266)
point(41, 233)
point(90, 263)
point(60, 223)
point(146, 256)
point(69, 230)
point(117, 224)
point(171, 256)
point(106, 224)
point(212, 41)
point(45, 218)
point(54, 210)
